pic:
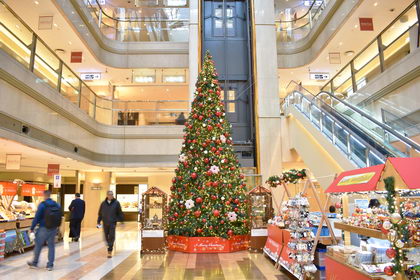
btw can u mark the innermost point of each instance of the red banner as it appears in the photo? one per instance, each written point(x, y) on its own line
point(32, 190)
point(337, 271)
point(274, 243)
point(208, 244)
point(7, 188)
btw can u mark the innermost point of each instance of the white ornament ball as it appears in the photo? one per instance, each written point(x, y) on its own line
point(395, 218)
point(399, 244)
point(387, 225)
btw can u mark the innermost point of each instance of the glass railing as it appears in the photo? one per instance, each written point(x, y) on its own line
point(294, 24)
point(151, 21)
point(393, 44)
point(21, 43)
point(362, 138)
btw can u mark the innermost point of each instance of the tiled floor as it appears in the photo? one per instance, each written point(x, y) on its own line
point(87, 260)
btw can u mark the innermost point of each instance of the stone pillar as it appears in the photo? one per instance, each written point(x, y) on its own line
point(78, 180)
point(194, 48)
point(267, 92)
point(94, 192)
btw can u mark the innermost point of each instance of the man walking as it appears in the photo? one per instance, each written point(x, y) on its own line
point(77, 212)
point(48, 218)
point(110, 213)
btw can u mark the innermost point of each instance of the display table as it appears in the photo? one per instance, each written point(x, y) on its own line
point(337, 269)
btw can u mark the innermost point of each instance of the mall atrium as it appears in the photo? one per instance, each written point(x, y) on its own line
point(210, 139)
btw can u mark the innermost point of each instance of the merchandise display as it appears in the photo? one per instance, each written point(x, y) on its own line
point(388, 229)
point(153, 221)
point(261, 212)
point(129, 202)
point(301, 242)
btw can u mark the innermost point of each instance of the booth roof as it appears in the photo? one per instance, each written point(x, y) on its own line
point(408, 169)
point(358, 180)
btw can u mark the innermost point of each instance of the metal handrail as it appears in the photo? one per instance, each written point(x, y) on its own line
point(385, 127)
point(303, 16)
point(134, 20)
point(412, 144)
point(380, 47)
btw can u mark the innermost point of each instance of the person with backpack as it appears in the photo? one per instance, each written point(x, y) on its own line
point(77, 212)
point(48, 219)
point(110, 213)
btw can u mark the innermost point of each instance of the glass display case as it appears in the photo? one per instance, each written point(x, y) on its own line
point(261, 207)
point(153, 216)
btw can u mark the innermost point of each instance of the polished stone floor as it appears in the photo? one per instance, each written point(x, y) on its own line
point(87, 260)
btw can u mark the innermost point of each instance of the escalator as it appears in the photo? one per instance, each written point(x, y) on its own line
point(364, 140)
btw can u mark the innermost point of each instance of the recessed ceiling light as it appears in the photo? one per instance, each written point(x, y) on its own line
point(36, 2)
point(341, 43)
point(70, 43)
point(375, 4)
point(356, 26)
point(55, 24)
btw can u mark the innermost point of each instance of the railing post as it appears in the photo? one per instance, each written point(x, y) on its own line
point(33, 52)
point(353, 76)
point(94, 107)
point(348, 145)
point(367, 157)
point(381, 53)
point(333, 132)
point(60, 74)
point(80, 94)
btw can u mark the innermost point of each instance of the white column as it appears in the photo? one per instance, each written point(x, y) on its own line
point(267, 97)
point(194, 43)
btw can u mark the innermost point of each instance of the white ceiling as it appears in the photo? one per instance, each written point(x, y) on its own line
point(348, 38)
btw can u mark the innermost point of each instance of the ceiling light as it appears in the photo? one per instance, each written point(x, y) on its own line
point(375, 4)
point(167, 89)
point(349, 53)
point(55, 25)
point(144, 79)
point(174, 79)
point(36, 2)
point(70, 42)
point(341, 43)
point(101, 93)
point(356, 26)
point(69, 158)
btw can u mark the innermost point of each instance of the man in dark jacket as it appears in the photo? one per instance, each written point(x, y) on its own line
point(110, 213)
point(43, 234)
point(77, 212)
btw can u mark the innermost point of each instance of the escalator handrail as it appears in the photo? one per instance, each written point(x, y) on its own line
point(385, 127)
point(368, 145)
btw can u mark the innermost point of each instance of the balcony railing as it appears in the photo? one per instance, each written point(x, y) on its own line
point(157, 21)
point(393, 44)
point(21, 43)
point(294, 24)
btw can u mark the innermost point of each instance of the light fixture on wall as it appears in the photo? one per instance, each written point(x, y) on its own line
point(96, 181)
point(349, 53)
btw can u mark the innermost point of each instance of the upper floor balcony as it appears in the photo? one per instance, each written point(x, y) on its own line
point(147, 21)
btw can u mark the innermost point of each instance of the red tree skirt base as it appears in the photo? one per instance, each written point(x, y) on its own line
point(208, 244)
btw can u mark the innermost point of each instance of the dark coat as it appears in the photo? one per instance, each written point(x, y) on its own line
point(110, 213)
point(77, 209)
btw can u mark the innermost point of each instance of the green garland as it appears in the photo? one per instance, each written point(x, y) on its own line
point(399, 226)
point(292, 176)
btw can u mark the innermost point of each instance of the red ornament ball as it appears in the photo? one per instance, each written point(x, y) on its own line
point(194, 175)
point(230, 232)
point(389, 270)
point(199, 230)
point(338, 205)
point(236, 201)
point(197, 213)
point(176, 214)
point(216, 213)
point(391, 253)
point(198, 200)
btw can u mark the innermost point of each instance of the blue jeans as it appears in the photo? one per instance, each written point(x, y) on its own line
point(43, 235)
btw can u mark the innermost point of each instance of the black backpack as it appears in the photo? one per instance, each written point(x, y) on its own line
point(52, 216)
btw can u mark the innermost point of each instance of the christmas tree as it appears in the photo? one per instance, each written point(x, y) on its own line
point(208, 194)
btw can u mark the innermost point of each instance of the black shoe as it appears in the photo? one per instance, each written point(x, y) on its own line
point(49, 268)
point(76, 239)
point(32, 265)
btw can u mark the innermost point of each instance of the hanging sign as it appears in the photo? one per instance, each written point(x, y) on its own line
point(319, 76)
point(7, 188)
point(90, 76)
point(366, 24)
point(32, 190)
point(13, 162)
point(57, 181)
point(53, 169)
